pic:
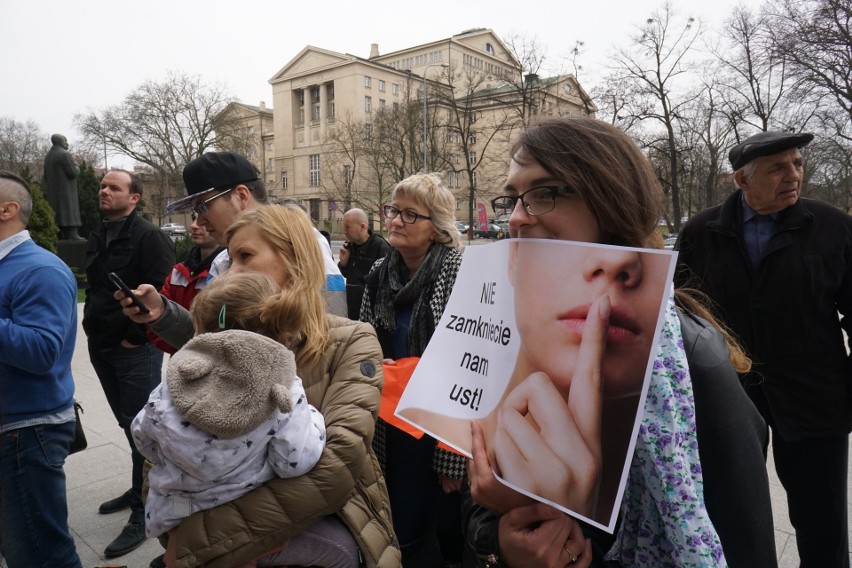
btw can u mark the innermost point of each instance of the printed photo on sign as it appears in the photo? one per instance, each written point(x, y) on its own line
point(549, 346)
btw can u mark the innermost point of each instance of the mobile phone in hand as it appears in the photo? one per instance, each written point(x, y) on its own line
point(119, 283)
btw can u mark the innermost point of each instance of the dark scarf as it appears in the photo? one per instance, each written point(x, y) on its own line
point(392, 291)
point(113, 228)
point(195, 263)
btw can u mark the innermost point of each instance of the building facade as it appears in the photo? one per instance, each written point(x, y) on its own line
point(346, 129)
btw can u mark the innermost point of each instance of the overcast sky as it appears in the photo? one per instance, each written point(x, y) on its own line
point(60, 58)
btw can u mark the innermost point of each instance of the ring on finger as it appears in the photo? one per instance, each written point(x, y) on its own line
point(571, 555)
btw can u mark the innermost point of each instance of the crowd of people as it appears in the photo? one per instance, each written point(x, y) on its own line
point(263, 441)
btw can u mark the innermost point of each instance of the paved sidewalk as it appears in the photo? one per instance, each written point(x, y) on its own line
point(102, 472)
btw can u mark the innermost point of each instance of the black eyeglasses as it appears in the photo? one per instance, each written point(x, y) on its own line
point(200, 207)
point(537, 201)
point(408, 217)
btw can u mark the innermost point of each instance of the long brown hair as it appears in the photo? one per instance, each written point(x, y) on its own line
point(617, 183)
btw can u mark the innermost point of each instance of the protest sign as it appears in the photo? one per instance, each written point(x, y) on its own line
point(514, 351)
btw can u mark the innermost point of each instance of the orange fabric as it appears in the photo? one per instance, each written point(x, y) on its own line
point(397, 375)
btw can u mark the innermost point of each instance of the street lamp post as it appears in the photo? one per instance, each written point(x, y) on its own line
point(425, 109)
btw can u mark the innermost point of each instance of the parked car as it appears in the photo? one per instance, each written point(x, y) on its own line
point(669, 241)
point(462, 227)
point(491, 231)
point(173, 229)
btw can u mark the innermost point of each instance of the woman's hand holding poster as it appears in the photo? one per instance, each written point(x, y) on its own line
point(548, 346)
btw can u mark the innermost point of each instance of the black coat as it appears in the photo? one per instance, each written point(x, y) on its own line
point(361, 260)
point(785, 312)
point(140, 254)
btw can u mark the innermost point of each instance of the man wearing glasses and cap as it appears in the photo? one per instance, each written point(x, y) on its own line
point(221, 186)
point(779, 269)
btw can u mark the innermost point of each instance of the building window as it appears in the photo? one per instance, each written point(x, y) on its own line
point(473, 179)
point(301, 116)
point(330, 90)
point(368, 104)
point(315, 115)
point(395, 88)
point(395, 108)
point(472, 158)
point(314, 169)
point(368, 82)
point(454, 179)
point(368, 130)
point(331, 110)
point(489, 48)
point(347, 175)
point(471, 116)
point(381, 86)
point(284, 179)
point(315, 94)
point(471, 139)
point(301, 98)
point(381, 105)
point(251, 130)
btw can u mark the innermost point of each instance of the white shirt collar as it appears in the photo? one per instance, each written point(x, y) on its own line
point(8, 244)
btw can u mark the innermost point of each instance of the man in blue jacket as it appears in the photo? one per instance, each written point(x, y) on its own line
point(38, 329)
point(126, 363)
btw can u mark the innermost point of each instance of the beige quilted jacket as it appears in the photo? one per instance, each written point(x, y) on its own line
point(346, 387)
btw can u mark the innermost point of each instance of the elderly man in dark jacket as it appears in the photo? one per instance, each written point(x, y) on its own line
point(126, 363)
point(779, 268)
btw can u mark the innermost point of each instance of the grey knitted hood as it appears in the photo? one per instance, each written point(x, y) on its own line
point(228, 383)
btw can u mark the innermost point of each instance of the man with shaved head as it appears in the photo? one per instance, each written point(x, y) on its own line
point(38, 330)
point(361, 249)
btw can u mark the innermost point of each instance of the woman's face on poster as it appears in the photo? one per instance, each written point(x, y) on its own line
point(554, 288)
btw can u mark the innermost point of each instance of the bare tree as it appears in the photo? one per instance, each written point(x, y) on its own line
point(755, 84)
point(530, 56)
point(343, 149)
point(163, 125)
point(366, 159)
point(706, 133)
point(477, 120)
point(23, 146)
point(655, 67)
point(815, 36)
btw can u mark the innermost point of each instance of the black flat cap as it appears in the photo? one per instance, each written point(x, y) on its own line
point(766, 144)
point(213, 170)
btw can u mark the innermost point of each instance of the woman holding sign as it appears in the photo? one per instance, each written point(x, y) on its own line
point(404, 298)
point(580, 179)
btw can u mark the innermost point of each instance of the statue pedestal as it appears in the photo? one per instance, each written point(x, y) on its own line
point(73, 253)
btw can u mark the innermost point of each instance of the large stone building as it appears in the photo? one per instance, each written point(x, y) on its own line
point(346, 129)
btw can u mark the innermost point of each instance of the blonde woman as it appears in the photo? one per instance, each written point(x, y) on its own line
point(404, 298)
point(339, 362)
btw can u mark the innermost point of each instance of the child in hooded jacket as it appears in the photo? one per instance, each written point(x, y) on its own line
point(231, 414)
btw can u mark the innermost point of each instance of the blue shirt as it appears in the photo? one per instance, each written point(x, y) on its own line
point(757, 231)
